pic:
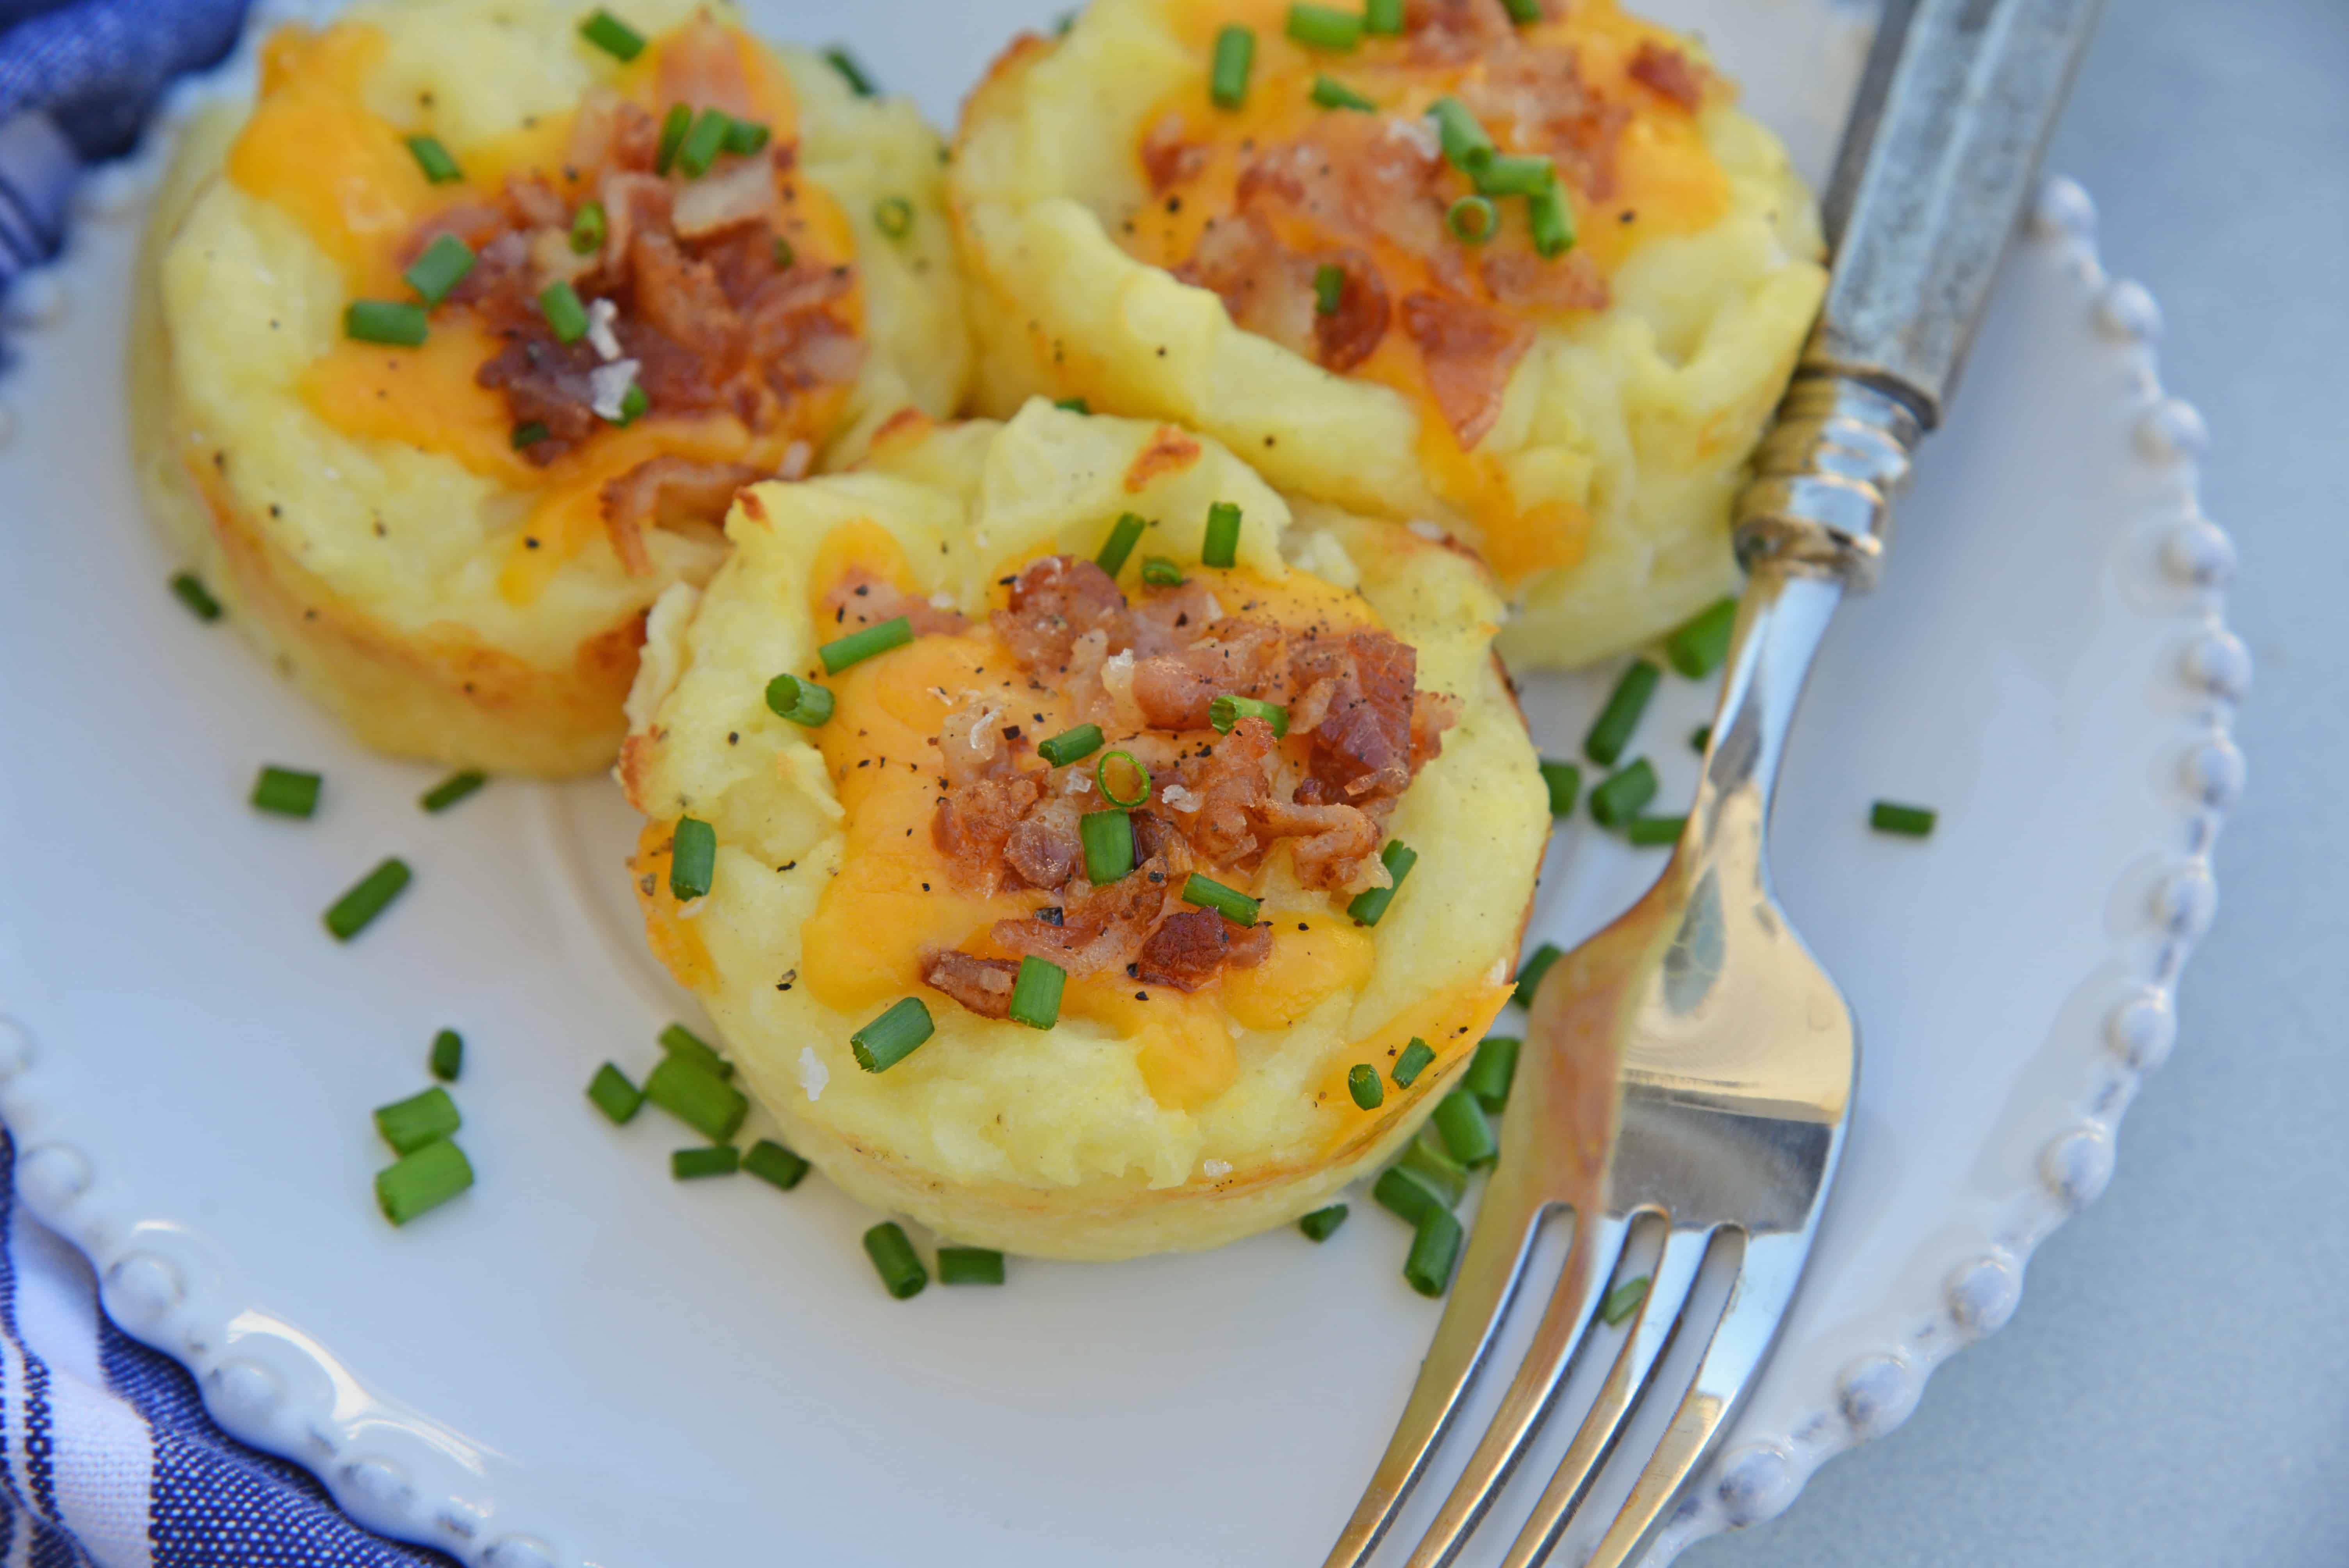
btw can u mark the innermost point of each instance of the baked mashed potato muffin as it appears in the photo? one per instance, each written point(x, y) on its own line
point(452, 347)
point(943, 836)
point(1264, 222)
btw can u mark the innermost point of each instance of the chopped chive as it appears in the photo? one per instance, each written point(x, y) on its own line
point(1465, 146)
point(891, 1038)
point(1623, 1300)
point(1467, 1135)
point(367, 898)
point(701, 1100)
point(1565, 782)
point(1406, 1196)
point(703, 139)
point(189, 589)
point(679, 1041)
point(1619, 797)
point(902, 1274)
point(439, 169)
point(1230, 902)
point(894, 216)
point(1108, 838)
point(1383, 17)
point(1227, 79)
point(1221, 547)
point(1160, 572)
point(408, 1125)
point(448, 1059)
point(785, 257)
point(1610, 732)
point(1227, 710)
point(773, 1163)
point(745, 137)
point(693, 861)
point(1515, 174)
point(1414, 1060)
point(422, 1180)
point(1911, 821)
point(969, 1266)
point(1100, 778)
point(850, 71)
point(1494, 1066)
point(1331, 93)
point(1328, 288)
point(1649, 832)
point(395, 321)
point(1036, 993)
point(1371, 907)
point(1699, 737)
point(1523, 10)
point(588, 228)
point(1324, 27)
point(1435, 1249)
point(612, 36)
point(285, 792)
point(529, 433)
point(674, 125)
point(1425, 1158)
point(451, 789)
point(1123, 538)
point(860, 645)
point(633, 404)
point(1323, 1224)
point(559, 302)
point(613, 1095)
point(1362, 1083)
point(1070, 745)
point(802, 702)
point(717, 1160)
point(1697, 649)
point(1472, 220)
point(1072, 404)
point(1529, 978)
point(442, 267)
point(1552, 219)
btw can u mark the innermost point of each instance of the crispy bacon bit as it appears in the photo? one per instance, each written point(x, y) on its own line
point(663, 492)
point(982, 984)
point(1101, 928)
point(1346, 336)
point(1237, 656)
point(1469, 351)
point(1054, 602)
point(1670, 73)
point(1522, 280)
point(1044, 850)
point(1364, 733)
point(861, 599)
point(1186, 951)
point(1166, 158)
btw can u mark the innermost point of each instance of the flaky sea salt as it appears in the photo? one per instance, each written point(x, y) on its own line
point(609, 385)
point(601, 314)
point(813, 1074)
point(1217, 1167)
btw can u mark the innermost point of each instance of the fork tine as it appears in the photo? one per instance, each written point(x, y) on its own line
point(1556, 1344)
point(1653, 1323)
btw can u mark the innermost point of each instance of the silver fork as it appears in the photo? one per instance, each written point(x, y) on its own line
point(1686, 1075)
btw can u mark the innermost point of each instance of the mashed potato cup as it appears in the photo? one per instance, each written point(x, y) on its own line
point(1205, 882)
point(1289, 252)
point(452, 347)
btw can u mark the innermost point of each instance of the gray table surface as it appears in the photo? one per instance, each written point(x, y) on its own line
point(2175, 1386)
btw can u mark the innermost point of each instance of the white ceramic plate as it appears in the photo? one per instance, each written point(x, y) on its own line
point(582, 1361)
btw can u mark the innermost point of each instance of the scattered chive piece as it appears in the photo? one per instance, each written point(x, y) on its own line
point(1230, 902)
point(1495, 1064)
point(1324, 27)
point(693, 861)
point(1911, 821)
point(189, 589)
point(529, 433)
point(744, 137)
point(804, 703)
point(1697, 649)
point(1623, 1300)
point(969, 1266)
point(679, 1041)
point(1699, 737)
point(442, 267)
point(1406, 1196)
point(850, 71)
point(612, 36)
point(1465, 146)
point(1371, 907)
point(1100, 778)
point(422, 1180)
point(588, 228)
point(1565, 782)
point(633, 404)
point(559, 302)
point(1523, 10)
point(408, 1125)
point(1222, 545)
point(785, 256)
point(717, 1160)
point(1413, 1061)
point(451, 789)
point(902, 1274)
point(1382, 16)
point(396, 322)
point(1123, 538)
point(1036, 993)
point(1441, 1175)
point(1362, 1083)
point(439, 169)
point(1529, 978)
point(448, 1059)
point(1617, 799)
point(674, 125)
point(891, 1038)
point(1552, 221)
point(1467, 1135)
point(1610, 732)
point(773, 1163)
point(1328, 288)
point(1515, 174)
point(701, 1100)
point(368, 895)
point(1108, 838)
point(1161, 572)
point(1323, 1224)
point(1435, 1249)
point(1649, 832)
point(613, 1095)
point(285, 792)
point(1227, 710)
point(1072, 404)
point(1227, 79)
point(894, 216)
point(1070, 745)
point(1472, 220)
point(1331, 93)
point(860, 645)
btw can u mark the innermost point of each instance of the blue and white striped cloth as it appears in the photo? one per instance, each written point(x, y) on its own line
point(107, 1457)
